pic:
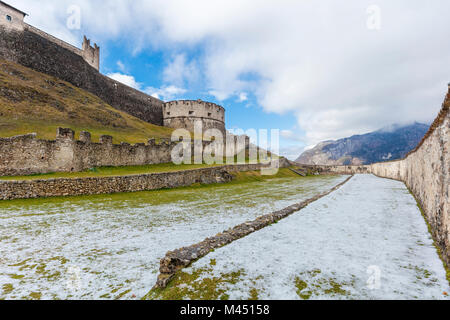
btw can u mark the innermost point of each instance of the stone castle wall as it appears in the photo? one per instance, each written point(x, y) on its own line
point(44, 53)
point(24, 155)
point(184, 114)
point(426, 172)
point(29, 189)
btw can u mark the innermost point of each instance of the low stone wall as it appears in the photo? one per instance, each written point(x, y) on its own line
point(182, 258)
point(28, 189)
point(425, 171)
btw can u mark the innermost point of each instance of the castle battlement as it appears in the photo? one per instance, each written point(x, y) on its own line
point(184, 113)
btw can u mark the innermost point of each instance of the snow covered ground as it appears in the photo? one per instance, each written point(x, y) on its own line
point(110, 246)
point(367, 240)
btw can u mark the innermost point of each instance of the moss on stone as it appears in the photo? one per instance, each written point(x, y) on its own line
point(254, 294)
point(7, 288)
point(318, 286)
point(198, 285)
point(301, 286)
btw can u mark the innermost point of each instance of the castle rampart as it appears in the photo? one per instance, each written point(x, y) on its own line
point(184, 114)
point(25, 155)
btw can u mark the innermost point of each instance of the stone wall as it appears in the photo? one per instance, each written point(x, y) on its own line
point(24, 155)
point(106, 185)
point(425, 170)
point(29, 189)
point(39, 53)
point(184, 113)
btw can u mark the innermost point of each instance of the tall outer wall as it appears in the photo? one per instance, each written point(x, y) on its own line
point(425, 171)
point(43, 55)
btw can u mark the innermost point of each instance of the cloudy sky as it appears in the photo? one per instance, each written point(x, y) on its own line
point(316, 70)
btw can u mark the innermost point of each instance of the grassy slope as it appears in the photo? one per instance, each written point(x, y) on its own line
point(34, 102)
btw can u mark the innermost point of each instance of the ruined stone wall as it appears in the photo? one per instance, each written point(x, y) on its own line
point(39, 53)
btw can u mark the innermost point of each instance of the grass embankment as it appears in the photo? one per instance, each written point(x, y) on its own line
point(34, 102)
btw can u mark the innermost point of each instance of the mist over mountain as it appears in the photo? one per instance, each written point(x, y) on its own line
point(390, 143)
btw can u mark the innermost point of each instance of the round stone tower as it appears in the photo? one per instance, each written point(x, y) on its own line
point(182, 114)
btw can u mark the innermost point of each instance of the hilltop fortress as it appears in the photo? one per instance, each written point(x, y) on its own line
point(33, 48)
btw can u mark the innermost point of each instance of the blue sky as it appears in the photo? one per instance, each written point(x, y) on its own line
point(316, 70)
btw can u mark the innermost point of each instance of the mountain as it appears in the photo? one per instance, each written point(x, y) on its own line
point(35, 102)
point(390, 143)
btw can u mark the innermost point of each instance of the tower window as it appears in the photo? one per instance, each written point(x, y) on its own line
point(8, 18)
point(168, 113)
point(209, 114)
point(191, 113)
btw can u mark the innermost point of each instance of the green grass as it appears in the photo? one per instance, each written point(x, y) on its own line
point(32, 102)
point(242, 179)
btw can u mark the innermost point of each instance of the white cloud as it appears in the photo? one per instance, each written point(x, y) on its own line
point(179, 71)
point(121, 66)
point(125, 79)
point(316, 60)
point(291, 135)
point(166, 93)
point(291, 152)
point(243, 97)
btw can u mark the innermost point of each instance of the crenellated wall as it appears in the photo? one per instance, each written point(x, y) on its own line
point(184, 114)
point(24, 155)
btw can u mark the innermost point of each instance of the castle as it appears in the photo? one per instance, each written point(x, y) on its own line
point(40, 51)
